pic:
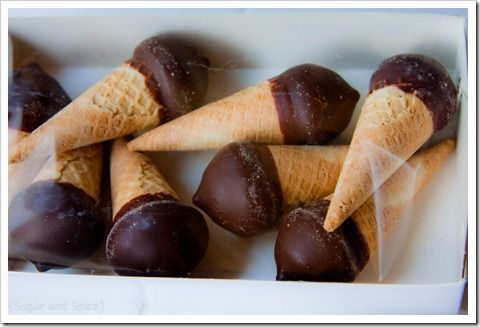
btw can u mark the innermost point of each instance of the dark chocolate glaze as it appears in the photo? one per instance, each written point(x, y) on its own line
point(33, 97)
point(176, 75)
point(240, 189)
point(141, 200)
point(425, 77)
point(314, 104)
point(157, 237)
point(54, 224)
point(305, 251)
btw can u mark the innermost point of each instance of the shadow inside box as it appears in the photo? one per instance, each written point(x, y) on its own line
point(229, 256)
point(15, 264)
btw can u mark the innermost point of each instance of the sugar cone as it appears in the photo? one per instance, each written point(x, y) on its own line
point(16, 181)
point(15, 136)
point(398, 192)
point(118, 105)
point(80, 167)
point(133, 174)
point(55, 221)
point(307, 173)
point(247, 187)
point(391, 127)
point(246, 115)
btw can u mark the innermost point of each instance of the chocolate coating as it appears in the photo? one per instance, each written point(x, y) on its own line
point(240, 189)
point(157, 238)
point(140, 200)
point(54, 224)
point(176, 74)
point(305, 251)
point(33, 97)
point(425, 77)
point(314, 104)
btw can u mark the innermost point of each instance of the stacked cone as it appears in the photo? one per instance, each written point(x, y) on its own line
point(411, 97)
point(304, 250)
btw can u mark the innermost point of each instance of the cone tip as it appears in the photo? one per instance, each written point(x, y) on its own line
point(329, 225)
point(133, 144)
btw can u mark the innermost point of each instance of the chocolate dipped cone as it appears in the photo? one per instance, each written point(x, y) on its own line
point(304, 250)
point(164, 79)
point(307, 172)
point(306, 104)
point(246, 187)
point(153, 234)
point(398, 192)
point(55, 222)
point(33, 98)
point(411, 97)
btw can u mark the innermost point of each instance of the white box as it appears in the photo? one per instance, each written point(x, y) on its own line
point(237, 275)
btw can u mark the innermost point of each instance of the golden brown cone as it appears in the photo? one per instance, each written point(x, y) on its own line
point(118, 105)
point(397, 193)
point(18, 178)
point(248, 115)
point(391, 127)
point(307, 173)
point(15, 136)
point(80, 167)
point(133, 174)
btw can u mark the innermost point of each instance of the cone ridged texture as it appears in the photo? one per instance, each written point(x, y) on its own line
point(248, 115)
point(391, 127)
point(118, 105)
point(397, 193)
point(307, 173)
point(133, 174)
point(80, 167)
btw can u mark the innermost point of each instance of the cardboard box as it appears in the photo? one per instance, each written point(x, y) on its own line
point(237, 276)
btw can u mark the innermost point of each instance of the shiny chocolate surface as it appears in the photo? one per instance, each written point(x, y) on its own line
point(424, 77)
point(314, 104)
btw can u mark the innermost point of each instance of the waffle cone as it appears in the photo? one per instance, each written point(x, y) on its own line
point(133, 174)
point(248, 115)
point(391, 127)
point(307, 173)
point(398, 192)
point(118, 105)
point(80, 167)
